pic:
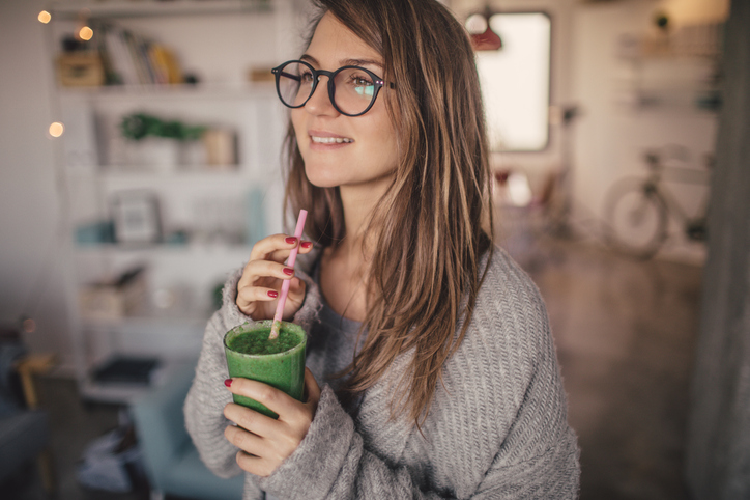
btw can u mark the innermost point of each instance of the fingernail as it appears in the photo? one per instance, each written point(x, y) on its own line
point(291, 241)
point(273, 294)
point(306, 244)
point(228, 382)
point(288, 271)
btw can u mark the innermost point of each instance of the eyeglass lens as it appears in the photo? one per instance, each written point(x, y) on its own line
point(354, 89)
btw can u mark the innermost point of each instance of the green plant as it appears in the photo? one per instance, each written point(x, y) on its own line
point(137, 126)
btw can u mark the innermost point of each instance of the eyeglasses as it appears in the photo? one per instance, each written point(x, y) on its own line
point(351, 89)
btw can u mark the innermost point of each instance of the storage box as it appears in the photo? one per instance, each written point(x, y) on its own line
point(80, 70)
point(111, 300)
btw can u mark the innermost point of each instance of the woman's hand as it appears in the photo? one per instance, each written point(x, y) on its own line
point(265, 443)
point(260, 284)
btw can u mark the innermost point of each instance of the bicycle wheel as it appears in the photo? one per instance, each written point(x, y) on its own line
point(636, 217)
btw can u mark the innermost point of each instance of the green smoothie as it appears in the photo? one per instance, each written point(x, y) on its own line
point(279, 363)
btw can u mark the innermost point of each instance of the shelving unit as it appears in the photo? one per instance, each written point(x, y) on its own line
point(674, 69)
point(133, 9)
point(209, 215)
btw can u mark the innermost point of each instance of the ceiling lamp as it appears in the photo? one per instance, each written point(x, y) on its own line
point(480, 31)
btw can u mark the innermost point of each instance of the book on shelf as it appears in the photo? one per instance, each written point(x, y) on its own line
point(132, 59)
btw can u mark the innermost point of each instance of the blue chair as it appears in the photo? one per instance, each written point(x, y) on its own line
point(24, 429)
point(171, 460)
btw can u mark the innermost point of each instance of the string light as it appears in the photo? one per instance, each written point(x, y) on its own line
point(44, 17)
point(85, 33)
point(56, 129)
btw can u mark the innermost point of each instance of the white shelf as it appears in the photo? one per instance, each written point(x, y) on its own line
point(207, 91)
point(187, 319)
point(149, 8)
point(118, 393)
point(200, 251)
point(154, 177)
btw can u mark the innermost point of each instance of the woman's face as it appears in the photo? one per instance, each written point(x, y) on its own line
point(368, 153)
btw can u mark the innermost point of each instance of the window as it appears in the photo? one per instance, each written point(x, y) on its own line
point(515, 82)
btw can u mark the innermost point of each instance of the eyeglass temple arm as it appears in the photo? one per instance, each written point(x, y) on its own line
point(283, 73)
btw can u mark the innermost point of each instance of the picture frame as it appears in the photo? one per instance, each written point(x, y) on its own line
point(136, 218)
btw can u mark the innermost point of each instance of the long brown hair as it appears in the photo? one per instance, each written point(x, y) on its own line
point(432, 225)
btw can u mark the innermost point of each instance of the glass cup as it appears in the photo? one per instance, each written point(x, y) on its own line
point(284, 370)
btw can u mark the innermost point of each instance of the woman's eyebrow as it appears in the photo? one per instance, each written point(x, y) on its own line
point(344, 62)
point(361, 62)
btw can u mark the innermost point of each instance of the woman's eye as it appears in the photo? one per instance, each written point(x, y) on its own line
point(306, 77)
point(361, 81)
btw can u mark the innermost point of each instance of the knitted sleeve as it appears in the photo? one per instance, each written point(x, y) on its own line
point(205, 402)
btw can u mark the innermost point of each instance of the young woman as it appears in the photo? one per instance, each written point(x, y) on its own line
point(431, 368)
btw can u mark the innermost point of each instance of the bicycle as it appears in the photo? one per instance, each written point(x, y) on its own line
point(637, 209)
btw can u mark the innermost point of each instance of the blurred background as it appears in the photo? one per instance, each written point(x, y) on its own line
point(141, 160)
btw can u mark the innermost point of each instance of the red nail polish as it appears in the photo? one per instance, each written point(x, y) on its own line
point(228, 382)
point(273, 294)
point(288, 271)
point(306, 244)
point(291, 241)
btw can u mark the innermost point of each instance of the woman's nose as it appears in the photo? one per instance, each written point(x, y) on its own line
point(319, 103)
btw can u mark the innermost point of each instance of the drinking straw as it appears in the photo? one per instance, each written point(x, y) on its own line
point(276, 326)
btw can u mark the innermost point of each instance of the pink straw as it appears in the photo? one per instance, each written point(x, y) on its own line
point(276, 326)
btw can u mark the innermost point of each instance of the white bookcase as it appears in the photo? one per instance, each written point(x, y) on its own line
point(208, 215)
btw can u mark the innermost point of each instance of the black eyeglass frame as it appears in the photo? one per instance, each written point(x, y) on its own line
point(331, 75)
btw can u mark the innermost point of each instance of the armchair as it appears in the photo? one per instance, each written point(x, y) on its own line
point(171, 460)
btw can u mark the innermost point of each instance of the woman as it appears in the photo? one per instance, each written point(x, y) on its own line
point(431, 368)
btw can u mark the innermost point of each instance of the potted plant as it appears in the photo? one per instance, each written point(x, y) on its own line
point(158, 142)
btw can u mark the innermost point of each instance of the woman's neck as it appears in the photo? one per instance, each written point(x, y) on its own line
point(359, 204)
point(345, 266)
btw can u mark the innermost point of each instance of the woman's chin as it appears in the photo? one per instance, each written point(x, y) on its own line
point(320, 180)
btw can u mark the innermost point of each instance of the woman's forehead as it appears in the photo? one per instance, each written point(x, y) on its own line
point(335, 44)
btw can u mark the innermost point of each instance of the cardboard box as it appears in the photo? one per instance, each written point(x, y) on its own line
point(82, 69)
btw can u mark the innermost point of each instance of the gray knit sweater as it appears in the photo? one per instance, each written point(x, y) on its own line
point(497, 428)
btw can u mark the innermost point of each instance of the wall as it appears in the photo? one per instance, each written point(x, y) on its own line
point(31, 266)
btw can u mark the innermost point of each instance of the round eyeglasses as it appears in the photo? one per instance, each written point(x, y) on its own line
point(351, 89)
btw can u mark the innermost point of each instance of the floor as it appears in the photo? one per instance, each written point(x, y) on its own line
point(625, 333)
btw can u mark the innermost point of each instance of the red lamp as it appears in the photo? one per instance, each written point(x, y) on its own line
point(488, 40)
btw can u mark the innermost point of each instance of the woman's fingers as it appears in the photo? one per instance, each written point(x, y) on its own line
point(277, 247)
point(267, 252)
point(249, 294)
point(260, 283)
point(250, 420)
point(274, 399)
point(267, 269)
point(262, 455)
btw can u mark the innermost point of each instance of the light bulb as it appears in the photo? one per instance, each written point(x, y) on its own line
point(56, 129)
point(44, 17)
point(86, 33)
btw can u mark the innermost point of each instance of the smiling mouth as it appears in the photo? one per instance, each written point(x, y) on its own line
point(331, 140)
